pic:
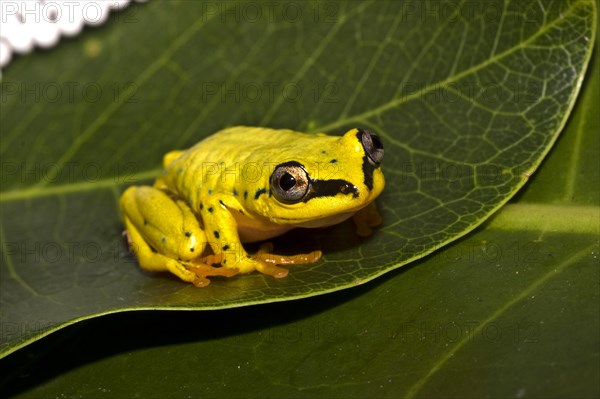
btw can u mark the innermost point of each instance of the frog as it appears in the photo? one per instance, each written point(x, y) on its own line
point(250, 184)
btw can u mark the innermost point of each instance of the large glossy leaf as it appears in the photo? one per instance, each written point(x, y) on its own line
point(468, 103)
point(511, 311)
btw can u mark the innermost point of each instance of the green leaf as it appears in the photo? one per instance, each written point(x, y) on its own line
point(468, 103)
point(512, 310)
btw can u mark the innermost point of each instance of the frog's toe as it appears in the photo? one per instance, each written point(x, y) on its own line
point(264, 261)
point(267, 261)
point(202, 269)
point(366, 219)
point(271, 269)
point(265, 254)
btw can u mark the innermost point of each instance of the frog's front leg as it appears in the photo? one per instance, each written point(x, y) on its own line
point(221, 228)
point(366, 219)
point(165, 235)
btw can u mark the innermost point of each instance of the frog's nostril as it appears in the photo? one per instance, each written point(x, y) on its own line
point(348, 188)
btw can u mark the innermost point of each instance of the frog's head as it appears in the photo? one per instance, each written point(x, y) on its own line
point(325, 182)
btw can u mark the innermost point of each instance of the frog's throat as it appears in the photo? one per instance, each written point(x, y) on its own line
point(324, 222)
point(269, 229)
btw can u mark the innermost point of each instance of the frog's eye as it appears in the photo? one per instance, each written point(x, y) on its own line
point(289, 182)
point(373, 146)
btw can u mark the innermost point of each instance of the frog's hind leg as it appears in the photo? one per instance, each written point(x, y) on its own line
point(164, 234)
point(153, 261)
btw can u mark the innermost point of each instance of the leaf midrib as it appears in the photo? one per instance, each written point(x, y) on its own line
point(563, 218)
point(42, 189)
point(143, 77)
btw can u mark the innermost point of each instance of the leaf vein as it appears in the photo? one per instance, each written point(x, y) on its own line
point(445, 82)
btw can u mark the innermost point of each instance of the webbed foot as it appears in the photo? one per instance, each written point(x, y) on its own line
point(263, 261)
point(203, 268)
point(268, 260)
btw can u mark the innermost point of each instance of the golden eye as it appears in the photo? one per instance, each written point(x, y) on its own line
point(289, 182)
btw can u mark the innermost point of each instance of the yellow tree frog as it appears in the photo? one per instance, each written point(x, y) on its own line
point(248, 184)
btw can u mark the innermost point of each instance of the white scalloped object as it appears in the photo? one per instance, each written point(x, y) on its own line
point(25, 24)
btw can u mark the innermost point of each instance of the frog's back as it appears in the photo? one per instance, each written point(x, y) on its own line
point(170, 156)
point(226, 144)
point(241, 143)
point(253, 137)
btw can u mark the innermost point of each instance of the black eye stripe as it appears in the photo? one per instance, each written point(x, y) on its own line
point(316, 188)
point(368, 169)
point(331, 188)
point(373, 147)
